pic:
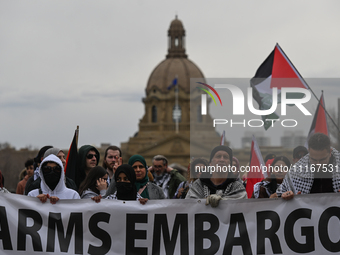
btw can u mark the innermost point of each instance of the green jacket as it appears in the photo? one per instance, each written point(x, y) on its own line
point(175, 180)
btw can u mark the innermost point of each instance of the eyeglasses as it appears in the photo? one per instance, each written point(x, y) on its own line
point(90, 156)
point(49, 169)
point(157, 166)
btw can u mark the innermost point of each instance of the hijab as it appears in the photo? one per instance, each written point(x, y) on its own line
point(126, 190)
point(141, 183)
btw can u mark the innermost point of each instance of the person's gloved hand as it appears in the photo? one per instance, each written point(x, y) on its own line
point(213, 200)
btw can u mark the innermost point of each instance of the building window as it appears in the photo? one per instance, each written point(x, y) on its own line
point(199, 114)
point(176, 42)
point(177, 113)
point(154, 114)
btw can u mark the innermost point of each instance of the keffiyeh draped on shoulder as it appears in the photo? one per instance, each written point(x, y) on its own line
point(234, 190)
point(301, 178)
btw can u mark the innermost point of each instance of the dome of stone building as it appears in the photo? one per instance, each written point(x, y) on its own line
point(176, 24)
point(176, 63)
point(165, 127)
point(163, 75)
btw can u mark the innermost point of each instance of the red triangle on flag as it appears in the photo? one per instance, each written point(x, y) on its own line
point(255, 174)
point(321, 121)
point(281, 67)
point(284, 73)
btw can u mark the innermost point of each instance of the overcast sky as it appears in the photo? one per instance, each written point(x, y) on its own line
point(67, 63)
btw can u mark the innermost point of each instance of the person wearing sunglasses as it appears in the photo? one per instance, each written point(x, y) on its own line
point(52, 184)
point(88, 157)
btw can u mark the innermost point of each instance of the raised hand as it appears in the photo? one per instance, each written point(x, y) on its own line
point(101, 184)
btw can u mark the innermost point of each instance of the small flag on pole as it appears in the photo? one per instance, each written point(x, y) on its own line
point(173, 84)
point(222, 138)
point(256, 173)
point(275, 72)
point(71, 159)
point(319, 124)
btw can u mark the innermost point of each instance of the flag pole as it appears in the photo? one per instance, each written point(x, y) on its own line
point(329, 116)
point(222, 138)
point(77, 135)
point(176, 91)
point(176, 105)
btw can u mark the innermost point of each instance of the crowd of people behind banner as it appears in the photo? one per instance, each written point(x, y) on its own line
point(313, 170)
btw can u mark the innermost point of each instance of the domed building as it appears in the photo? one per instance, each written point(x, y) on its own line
point(165, 126)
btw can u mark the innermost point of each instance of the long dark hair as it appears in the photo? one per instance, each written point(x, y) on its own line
point(1, 180)
point(282, 158)
point(90, 181)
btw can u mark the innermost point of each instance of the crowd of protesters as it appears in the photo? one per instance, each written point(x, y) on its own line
point(44, 176)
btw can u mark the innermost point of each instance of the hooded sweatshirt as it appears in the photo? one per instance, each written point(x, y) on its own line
point(81, 162)
point(60, 190)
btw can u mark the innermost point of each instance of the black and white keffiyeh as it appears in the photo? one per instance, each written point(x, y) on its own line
point(4, 190)
point(266, 185)
point(163, 182)
point(301, 177)
point(114, 196)
point(234, 190)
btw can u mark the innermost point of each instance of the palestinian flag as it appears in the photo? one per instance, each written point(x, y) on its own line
point(222, 138)
point(319, 124)
point(71, 159)
point(256, 173)
point(275, 72)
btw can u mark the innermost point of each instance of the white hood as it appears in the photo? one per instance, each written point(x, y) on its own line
point(61, 184)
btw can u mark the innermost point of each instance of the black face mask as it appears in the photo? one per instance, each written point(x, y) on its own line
point(52, 179)
point(126, 191)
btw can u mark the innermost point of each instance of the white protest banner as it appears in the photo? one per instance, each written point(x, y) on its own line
point(305, 224)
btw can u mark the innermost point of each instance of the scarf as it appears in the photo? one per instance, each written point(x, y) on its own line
point(301, 178)
point(162, 181)
point(269, 185)
point(140, 184)
point(213, 188)
point(126, 190)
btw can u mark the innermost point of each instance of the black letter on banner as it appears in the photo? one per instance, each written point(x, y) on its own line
point(201, 234)
point(24, 230)
point(99, 233)
point(161, 223)
point(323, 229)
point(308, 232)
point(132, 234)
point(4, 230)
point(243, 240)
point(263, 233)
point(75, 222)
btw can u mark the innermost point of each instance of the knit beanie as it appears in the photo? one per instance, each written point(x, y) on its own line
point(222, 148)
point(50, 151)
